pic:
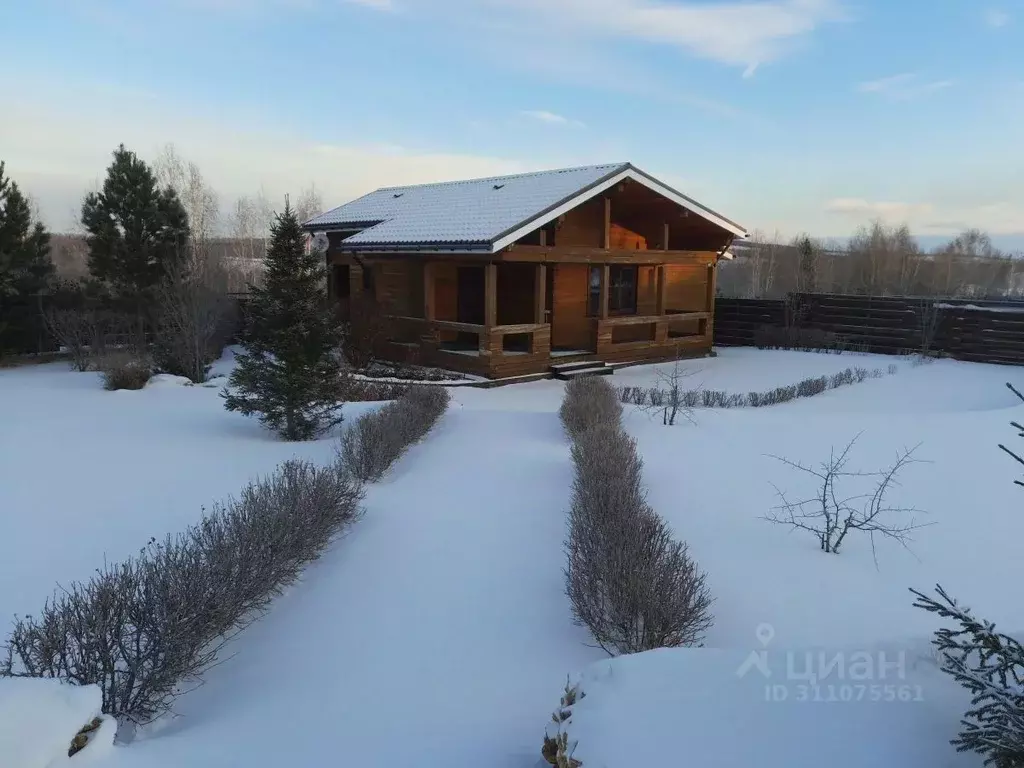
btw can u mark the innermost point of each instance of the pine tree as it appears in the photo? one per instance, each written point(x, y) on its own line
point(291, 371)
point(991, 666)
point(25, 266)
point(1020, 432)
point(135, 228)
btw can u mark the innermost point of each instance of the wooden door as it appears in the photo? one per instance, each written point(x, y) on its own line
point(570, 326)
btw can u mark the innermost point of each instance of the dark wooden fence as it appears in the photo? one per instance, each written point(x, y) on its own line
point(990, 331)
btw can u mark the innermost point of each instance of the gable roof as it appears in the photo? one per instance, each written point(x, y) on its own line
point(484, 215)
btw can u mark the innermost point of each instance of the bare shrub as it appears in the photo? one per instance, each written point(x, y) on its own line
point(811, 387)
point(629, 582)
point(357, 390)
point(125, 370)
point(144, 629)
point(832, 513)
point(632, 395)
point(85, 333)
point(588, 401)
point(193, 314)
point(371, 445)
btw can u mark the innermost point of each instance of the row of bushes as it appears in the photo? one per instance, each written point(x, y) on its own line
point(630, 582)
point(143, 628)
point(378, 438)
point(658, 397)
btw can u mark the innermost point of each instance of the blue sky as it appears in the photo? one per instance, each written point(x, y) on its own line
point(789, 115)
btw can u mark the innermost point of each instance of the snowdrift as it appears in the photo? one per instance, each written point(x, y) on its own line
point(39, 717)
point(845, 708)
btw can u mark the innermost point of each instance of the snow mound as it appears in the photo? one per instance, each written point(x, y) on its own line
point(40, 716)
point(168, 380)
point(696, 706)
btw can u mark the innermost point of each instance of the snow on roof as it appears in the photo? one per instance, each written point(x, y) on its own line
point(482, 214)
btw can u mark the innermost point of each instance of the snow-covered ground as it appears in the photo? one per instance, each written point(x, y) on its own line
point(437, 633)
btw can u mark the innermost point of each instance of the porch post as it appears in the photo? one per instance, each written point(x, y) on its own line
point(709, 323)
point(491, 295)
point(539, 291)
point(605, 275)
point(429, 302)
point(662, 288)
point(607, 238)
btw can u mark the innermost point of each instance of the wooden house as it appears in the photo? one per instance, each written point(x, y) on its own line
point(518, 275)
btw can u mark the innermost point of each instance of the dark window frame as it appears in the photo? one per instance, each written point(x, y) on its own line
point(623, 290)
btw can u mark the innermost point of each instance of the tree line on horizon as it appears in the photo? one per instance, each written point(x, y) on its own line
point(880, 259)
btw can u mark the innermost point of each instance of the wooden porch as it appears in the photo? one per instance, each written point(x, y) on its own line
point(511, 317)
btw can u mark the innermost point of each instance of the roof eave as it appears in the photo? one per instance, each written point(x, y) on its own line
point(609, 180)
point(439, 247)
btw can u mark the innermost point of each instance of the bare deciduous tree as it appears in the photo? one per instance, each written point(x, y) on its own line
point(672, 400)
point(830, 515)
point(309, 203)
point(200, 201)
point(764, 263)
point(192, 313)
point(877, 253)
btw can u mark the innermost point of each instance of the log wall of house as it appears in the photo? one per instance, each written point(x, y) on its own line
point(570, 326)
point(583, 226)
point(686, 289)
point(399, 286)
point(515, 293)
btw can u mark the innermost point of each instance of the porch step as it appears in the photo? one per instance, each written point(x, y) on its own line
point(582, 368)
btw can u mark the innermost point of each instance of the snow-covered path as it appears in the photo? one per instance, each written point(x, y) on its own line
point(436, 634)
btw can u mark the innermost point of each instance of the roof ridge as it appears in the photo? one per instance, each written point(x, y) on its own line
point(505, 177)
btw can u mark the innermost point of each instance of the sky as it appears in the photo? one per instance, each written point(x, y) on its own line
point(787, 116)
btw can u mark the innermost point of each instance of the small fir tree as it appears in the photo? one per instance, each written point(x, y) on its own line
point(136, 230)
point(25, 266)
point(290, 373)
point(991, 666)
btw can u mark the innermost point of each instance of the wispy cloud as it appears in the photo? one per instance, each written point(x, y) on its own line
point(377, 5)
point(890, 211)
point(995, 17)
point(551, 118)
point(904, 86)
point(746, 34)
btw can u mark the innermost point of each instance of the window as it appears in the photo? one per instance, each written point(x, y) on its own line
point(368, 285)
point(621, 291)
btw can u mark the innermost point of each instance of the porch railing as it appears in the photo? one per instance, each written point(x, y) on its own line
point(491, 341)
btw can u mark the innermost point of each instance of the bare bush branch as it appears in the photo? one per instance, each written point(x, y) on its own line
point(830, 515)
point(629, 582)
point(371, 446)
point(193, 317)
point(588, 401)
point(145, 629)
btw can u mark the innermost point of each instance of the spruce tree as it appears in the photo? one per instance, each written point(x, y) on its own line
point(290, 373)
point(25, 266)
point(136, 230)
point(990, 665)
